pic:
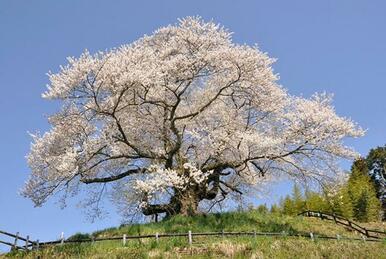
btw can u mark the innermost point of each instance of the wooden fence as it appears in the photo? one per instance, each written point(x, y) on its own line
point(370, 233)
point(28, 244)
point(33, 245)
point(367, 234)
point(190, 237)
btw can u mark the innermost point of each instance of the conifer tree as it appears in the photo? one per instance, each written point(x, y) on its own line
point(338, 200)
point(275, 209)
point(287, 205)
point(298, 200)
point(376, 163)
point(365, 205)
point(314, 201)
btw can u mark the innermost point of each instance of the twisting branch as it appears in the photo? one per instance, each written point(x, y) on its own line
point(111, 178)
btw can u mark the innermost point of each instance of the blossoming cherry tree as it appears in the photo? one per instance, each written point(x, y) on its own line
point(177, 118)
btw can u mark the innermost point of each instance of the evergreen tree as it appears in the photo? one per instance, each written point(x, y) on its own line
point(294, 204)
point(338, 201)
point(287, 205)
point(275, 209)
point(262, 209)
point(376, 163)
point(314, 201)
point(365, 205)
point(298, 200)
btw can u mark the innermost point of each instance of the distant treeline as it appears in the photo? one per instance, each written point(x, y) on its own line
point(361, 198)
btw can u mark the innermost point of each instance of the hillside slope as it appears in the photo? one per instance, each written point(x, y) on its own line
point(230, 246)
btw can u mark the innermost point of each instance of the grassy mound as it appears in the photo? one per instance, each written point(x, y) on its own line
point(214, 247)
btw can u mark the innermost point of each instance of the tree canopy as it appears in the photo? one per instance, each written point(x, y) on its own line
point(182, 116)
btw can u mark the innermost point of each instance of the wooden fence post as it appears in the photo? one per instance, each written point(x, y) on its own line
point(312, 236)
point(26, 243)
point(190, 237)
point(62, 238)
point(124, 239)
point(157, 237)
point(37, 244)
point(337, 237)
point(15, 242)
point(222, 233)
point(254, 234)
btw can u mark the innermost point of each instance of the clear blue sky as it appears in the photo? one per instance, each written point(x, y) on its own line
point(325, 45)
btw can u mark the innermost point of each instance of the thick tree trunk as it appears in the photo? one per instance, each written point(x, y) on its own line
point(182, 203)
point(186, 203)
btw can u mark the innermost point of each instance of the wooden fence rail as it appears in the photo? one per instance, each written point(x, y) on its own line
point(29, 244)
point(370, 233)
point(367, 234)
point(125, 238)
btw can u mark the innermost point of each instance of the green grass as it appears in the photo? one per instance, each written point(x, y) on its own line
point(215, 247)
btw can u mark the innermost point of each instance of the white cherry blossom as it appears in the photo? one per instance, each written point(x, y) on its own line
point(178, 117)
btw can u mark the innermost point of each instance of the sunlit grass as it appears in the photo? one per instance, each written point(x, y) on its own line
point(217, 246)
